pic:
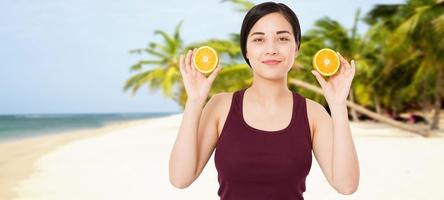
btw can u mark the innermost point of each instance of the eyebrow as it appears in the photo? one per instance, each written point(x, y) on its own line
point(262, 33)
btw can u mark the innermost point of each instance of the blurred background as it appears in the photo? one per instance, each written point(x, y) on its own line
point(71, 70)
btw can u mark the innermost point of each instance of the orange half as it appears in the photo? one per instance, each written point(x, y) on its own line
point(205, 59)
point(326, 62)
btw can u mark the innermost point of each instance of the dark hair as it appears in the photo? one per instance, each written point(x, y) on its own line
point(260, 10)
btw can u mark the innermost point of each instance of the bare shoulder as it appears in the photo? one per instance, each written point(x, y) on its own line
point(220, 104)
point(314, 112)
point(220, 97)
point(314, 106)
point(218, 100)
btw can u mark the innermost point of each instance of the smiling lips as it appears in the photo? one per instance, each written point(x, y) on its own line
point(272, 62)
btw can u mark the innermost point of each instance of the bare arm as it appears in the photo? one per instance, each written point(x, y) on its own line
point(345, 160)
point(334, 149)
point(196, 132)
point(183, 157)
point(332, 141)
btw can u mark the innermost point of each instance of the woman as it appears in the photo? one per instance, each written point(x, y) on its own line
point(264, 134)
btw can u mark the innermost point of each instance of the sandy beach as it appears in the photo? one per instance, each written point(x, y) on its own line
point(19, 156)
point(130, 161)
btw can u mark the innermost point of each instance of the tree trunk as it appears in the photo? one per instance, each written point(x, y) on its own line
point(425, 107)
point(437, 106)
point(424, 103)
point(377, 104)
point(365, 111)
point(352, 110)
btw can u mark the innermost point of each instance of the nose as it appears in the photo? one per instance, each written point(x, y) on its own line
point(271, 49)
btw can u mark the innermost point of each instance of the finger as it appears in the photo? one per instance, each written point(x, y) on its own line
point(340, 72)
point(191, 62)
point(187, 61)
point(343, 61)
point(347, 70)
point(345, 64)
point(320, 79)
point(353, 67)
point(214, 74)
point(181, 65)
point(341, 69)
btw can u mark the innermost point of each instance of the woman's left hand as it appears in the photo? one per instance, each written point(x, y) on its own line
point(337, 87)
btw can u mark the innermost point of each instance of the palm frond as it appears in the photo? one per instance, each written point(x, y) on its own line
point(139, 64)
point(168, 81)
point(150, 77)
point(242, 5)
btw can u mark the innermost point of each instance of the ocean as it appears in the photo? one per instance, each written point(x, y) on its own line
point(14, 127)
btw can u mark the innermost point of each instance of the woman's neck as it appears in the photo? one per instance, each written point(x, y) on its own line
point(269, 90)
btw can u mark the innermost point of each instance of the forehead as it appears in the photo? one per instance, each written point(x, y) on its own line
point(271, 23)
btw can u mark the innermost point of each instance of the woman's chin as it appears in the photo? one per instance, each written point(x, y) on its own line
point(273, 74)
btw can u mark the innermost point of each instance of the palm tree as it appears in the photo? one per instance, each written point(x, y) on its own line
point(165, 74)
point(416, 39)
point(369, 79)
point(330, 33)
point(235, 74)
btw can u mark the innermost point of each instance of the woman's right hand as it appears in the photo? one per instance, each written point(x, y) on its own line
point(196, 84)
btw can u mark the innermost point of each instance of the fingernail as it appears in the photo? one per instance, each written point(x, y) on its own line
point(338, 52)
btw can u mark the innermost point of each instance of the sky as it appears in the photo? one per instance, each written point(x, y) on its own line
point(72, 56)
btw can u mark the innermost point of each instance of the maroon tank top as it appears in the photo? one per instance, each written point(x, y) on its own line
point(263, 165)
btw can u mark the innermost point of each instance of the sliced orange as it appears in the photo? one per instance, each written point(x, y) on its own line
point(326, 62)
point(205, 59)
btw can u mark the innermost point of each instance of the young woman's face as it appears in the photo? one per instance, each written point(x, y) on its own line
point(271, 47)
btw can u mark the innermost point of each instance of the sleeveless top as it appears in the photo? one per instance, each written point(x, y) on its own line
point(263, 165)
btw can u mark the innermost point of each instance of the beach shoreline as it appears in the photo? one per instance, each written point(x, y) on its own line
point(130, 161)
point(18, 155)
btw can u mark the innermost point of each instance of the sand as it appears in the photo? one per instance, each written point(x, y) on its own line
point(131, 162)
point(19, 156)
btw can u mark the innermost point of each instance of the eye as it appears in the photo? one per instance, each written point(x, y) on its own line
point(283, 39)
point(257, 40)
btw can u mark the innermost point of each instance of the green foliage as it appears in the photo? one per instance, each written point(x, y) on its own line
point(398, 59)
